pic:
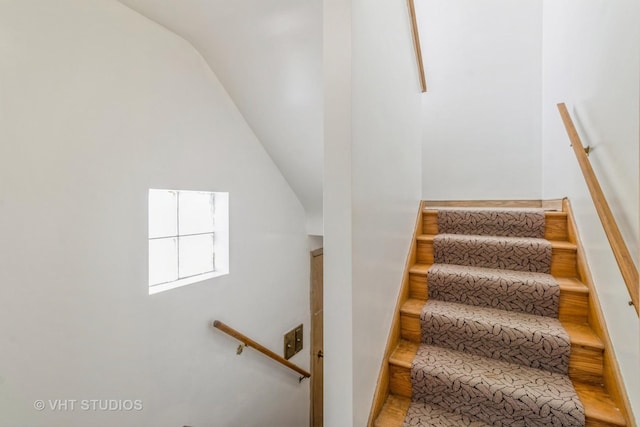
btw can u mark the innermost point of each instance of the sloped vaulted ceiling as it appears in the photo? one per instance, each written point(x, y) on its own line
point(268, 55)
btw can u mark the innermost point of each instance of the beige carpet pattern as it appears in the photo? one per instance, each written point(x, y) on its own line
point(535, 341)
point(425, 414)
point(495, 392)
point(506, 253)
point(510, 222)
point(521, 291)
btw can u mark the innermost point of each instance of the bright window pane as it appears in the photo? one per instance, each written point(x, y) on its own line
point(196, 255)
point(163, 260)
point(196, 212)
point(163, 213)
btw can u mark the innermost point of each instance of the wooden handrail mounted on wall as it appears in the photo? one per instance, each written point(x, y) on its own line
point(620, 250)
point(262, 349)
point(416, 44)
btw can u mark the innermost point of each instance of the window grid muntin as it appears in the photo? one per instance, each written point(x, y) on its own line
point(178, 235)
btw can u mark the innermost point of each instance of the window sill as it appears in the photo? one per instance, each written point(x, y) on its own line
point(184, 282)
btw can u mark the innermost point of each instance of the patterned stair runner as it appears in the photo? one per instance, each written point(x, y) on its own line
point(494, 352)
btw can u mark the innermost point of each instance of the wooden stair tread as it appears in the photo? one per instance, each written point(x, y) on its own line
point(561, 244)
point(583, 335)
point(599, 408)
point(555, 214)
point(434, 211)
point(403, 354)
point(393, 412)
point(412, 307)
point(571, 284)
point(420, 268)
point(551, 204)
point(555, 244)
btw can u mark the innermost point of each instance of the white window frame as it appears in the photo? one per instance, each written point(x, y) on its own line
point(220, 243)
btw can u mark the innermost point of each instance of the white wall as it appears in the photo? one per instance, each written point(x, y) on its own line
point(98, 104)
point(386, 181)
point(591, 63)
point(481, 118)
point(371, 192)
point(337, 253)
point(268, 55)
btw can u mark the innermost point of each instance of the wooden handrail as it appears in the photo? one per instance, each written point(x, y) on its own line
point(620, 250)
point(262, 349)
point(416, 44)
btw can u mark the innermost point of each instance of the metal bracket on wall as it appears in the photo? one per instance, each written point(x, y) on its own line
point(240, 348)
point(293, 342)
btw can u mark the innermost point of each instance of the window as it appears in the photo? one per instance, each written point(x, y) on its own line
point(188, 237)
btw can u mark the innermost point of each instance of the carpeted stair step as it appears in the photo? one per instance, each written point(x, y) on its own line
point(555, 223)
point(525, 339)
point(510, 222)
point(507, 253)
point(586, 355)
point(598, 405)
point(563, 254)
point(573, 303)
point(519, 291)
point(496, 392)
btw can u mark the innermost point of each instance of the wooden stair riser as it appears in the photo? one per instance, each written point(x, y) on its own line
point(585, 362)
point(555, 224)
point(573, 305)
point(563, 257)
point(400, 381)
point(591, 422)
point(563, 261)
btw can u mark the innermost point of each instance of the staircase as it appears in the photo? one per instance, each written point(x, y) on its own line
point(494, 328)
